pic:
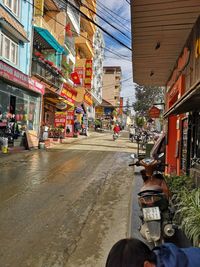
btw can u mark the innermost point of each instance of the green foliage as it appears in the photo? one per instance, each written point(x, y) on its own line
point(146, 96)
point(179, 183)
point(186, 199)
point(188, 213)
point(140, 121)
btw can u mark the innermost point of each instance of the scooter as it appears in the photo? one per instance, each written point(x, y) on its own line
point(156, 214)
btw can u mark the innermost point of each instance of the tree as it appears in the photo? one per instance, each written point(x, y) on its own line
point(146, 96)
point(127, 108)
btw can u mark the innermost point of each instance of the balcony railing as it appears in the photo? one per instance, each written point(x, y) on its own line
point(46, 73)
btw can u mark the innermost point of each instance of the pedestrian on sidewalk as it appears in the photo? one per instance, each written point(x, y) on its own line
point(134, 253)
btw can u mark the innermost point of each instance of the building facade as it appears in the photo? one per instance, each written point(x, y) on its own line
point(52, 63)
point(20, 96)
point(84, 61)
point(112, 84)
point(172, 59)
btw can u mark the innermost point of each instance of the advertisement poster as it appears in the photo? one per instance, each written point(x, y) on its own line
point(70, 124)
point(60, 120)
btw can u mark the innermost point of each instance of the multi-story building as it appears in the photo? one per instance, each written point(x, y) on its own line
point(84, 58)
point(54, 59)
point(97, 80)
point(20, 96)
point(112, 84)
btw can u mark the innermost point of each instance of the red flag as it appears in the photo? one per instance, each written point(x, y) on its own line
point(75, 78)
point(68, 30)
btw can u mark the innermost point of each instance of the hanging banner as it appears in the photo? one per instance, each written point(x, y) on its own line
point(80, 72)
point(121, 106)
point(38, 7)
point(88, 74)
point(88, 99)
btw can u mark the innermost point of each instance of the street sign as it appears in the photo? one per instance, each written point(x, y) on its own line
point(154, 112)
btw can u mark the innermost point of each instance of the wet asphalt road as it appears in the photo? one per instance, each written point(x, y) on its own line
point(65, 206)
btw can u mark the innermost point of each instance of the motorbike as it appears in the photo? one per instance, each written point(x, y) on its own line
point(115, 136)
point(156, 212)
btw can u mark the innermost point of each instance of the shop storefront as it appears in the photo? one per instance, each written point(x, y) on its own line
point(183, 109)
point(20, 107)
point(58, 112)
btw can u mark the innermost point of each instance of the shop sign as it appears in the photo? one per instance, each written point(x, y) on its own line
point(80, 72)
point(38, 7)
point(20, 78)
point(36, 86)
point(13, 74)
point(99, 110)
point(154, 112)
point(70, 123)
point(88, 74)
point(68, 96)
point(60, 120)
point(182, 63)
point(88, 99)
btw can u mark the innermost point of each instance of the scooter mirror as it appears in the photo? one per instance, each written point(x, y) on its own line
point(160, 155)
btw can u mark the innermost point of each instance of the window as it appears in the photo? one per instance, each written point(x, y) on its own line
point(8, 49)
point(13, 5)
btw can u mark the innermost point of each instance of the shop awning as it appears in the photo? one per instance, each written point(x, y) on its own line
point(190, 101)
point(48, 37)
point(160, 29)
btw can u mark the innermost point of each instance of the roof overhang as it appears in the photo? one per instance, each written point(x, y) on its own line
point(188, 102)
point(160, 29)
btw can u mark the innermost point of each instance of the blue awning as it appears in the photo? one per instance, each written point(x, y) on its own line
point(48, 37)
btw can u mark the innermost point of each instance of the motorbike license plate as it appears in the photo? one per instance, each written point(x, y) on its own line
point(151, 214)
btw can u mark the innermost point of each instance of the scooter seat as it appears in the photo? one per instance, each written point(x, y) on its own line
point(150, 190)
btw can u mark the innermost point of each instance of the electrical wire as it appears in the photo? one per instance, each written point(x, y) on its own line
point(97, 25)
point(120, 56)
point(101, 4)
point(106, 21)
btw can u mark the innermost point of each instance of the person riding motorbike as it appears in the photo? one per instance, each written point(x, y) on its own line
point(116, 129)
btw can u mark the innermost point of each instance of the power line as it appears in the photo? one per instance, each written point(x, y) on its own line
point(106, 21)
point(112, 18)
point(97, 25)
point(72, 30)
point(128, 2)
point(101, 4)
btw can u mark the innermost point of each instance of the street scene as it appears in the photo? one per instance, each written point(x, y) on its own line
point(99, 133)
point(58, 210)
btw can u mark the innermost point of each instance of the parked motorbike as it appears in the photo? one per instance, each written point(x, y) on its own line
point(156, 213)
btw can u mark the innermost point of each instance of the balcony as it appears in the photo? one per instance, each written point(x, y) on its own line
point(46, 73)
point(84, 44)
point(40, 22)
point(88, 26)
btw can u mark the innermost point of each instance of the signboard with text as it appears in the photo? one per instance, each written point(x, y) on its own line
point(60, 120)
point(70, 124)
point(154, 112)
point(14, 75)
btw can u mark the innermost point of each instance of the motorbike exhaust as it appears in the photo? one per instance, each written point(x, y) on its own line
point(169, 230)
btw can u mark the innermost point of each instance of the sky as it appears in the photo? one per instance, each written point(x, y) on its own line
point(121, 20)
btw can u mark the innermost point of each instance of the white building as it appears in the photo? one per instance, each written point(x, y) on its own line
point(97, 81)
